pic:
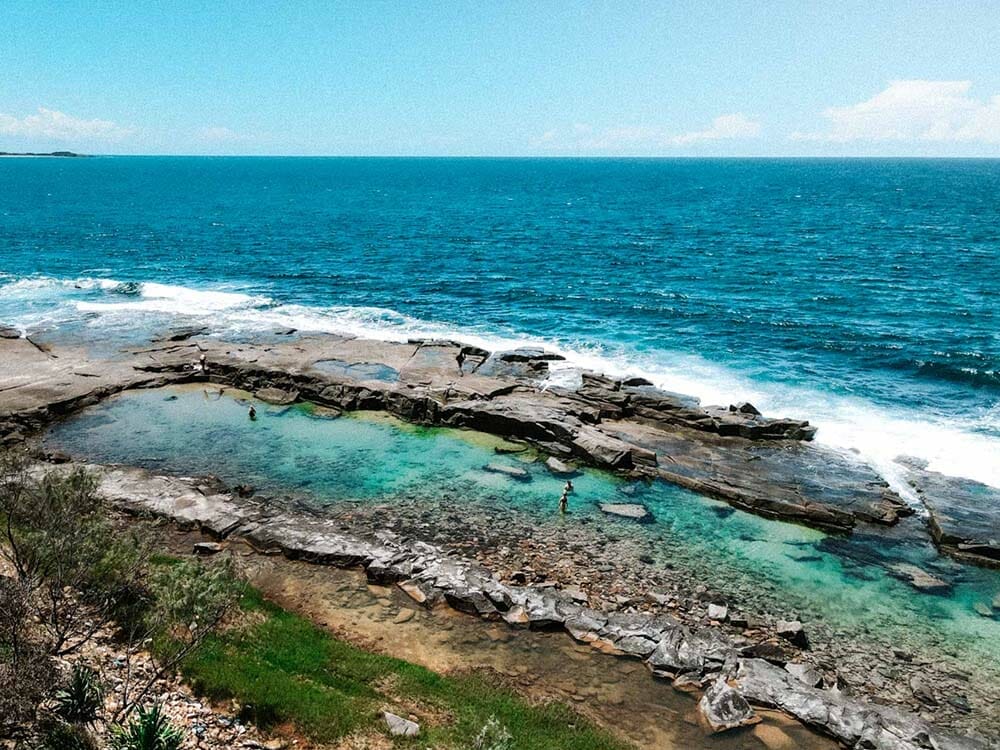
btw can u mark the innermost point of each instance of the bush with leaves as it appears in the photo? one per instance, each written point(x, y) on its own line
point(493, 736)
point(188, 601)
point(150, 729)
point(81, 700)
point(59, 540)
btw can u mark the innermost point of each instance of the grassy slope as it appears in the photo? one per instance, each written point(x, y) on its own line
point(287, 669)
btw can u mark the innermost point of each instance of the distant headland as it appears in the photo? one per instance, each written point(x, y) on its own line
point(50, 153)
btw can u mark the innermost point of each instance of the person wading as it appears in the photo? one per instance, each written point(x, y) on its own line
point(564, 500)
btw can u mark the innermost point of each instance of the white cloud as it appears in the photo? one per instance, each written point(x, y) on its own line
point(582, 137)
point(914, 110)
point(55, 125)
point(724, 127)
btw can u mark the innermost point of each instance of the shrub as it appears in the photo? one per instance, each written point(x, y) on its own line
point(493, 736)
point(82, 699)
point(150, 729)
point(26, 671)
point(62, 736)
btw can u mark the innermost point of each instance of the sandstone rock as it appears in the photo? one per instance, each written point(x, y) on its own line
point(632, 511)
point(718, 612)
point(964, 515)
point(806, 673)
point(855, 724)
point(514, 472)
point(921, 579)
point(277, 396)
point(559, 468)
point(723, 708)
point(793, 632)
point(415, 591)
point(745, 407)
point(400, 727)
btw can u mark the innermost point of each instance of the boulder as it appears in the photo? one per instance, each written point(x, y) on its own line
point(745, 407)
point(718, 612)
point(793, 632)
point(560, 468)
point(723, 708)
point(276, 396)
point(632, 511)
point(400, 727)
point(7, 332)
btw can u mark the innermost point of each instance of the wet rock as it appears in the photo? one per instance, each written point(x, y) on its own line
point(723, 708)
point(921, 579)
point(745, 407)
point(983, 609)
point(560, 468)
point(964, 515)
point(793, 632)
point(632, 511)
point(400, 727)
point(277, 396)
point(635, 382)
point(7, 332)
point(514, 472)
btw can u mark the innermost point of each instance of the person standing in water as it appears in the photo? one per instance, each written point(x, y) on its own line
point(564, 500)
point(252, 413)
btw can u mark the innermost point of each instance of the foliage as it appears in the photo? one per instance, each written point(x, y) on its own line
point(59, 735)
point(82, 699)
point(61, 544)
point(149, 729)
point(493, 736)
point(26, 670)
point(187, 602)
point(285, 669)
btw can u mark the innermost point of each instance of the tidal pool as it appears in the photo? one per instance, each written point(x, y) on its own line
point(844, 582)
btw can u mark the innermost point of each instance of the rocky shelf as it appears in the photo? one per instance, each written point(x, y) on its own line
point(736, 677)
point(761, 465)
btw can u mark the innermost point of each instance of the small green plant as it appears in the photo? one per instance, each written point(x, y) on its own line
point(493, 736)
point(82, 699)
point(150, 729)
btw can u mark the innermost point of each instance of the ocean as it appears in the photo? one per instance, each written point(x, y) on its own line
point(863, 295)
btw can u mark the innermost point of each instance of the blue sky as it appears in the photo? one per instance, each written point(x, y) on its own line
point(502, 78)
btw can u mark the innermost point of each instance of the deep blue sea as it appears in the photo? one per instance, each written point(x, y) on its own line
point(863, 295)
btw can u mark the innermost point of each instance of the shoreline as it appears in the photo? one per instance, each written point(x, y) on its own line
point(429, 389)
point(691, 657)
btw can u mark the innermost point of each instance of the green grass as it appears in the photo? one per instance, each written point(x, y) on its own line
point(285, 669)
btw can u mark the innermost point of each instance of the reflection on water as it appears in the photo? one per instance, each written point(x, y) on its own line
point(849, 583)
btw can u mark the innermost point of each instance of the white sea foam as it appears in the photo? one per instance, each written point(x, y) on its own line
point(876, 433)
point(174, 300)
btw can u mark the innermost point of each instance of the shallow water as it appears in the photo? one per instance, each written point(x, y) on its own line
point(845, 583)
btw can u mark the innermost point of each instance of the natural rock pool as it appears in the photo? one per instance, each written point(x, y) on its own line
point(854, 592)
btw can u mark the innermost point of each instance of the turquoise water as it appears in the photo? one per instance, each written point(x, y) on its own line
point(841, 583)
point(860, 294)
